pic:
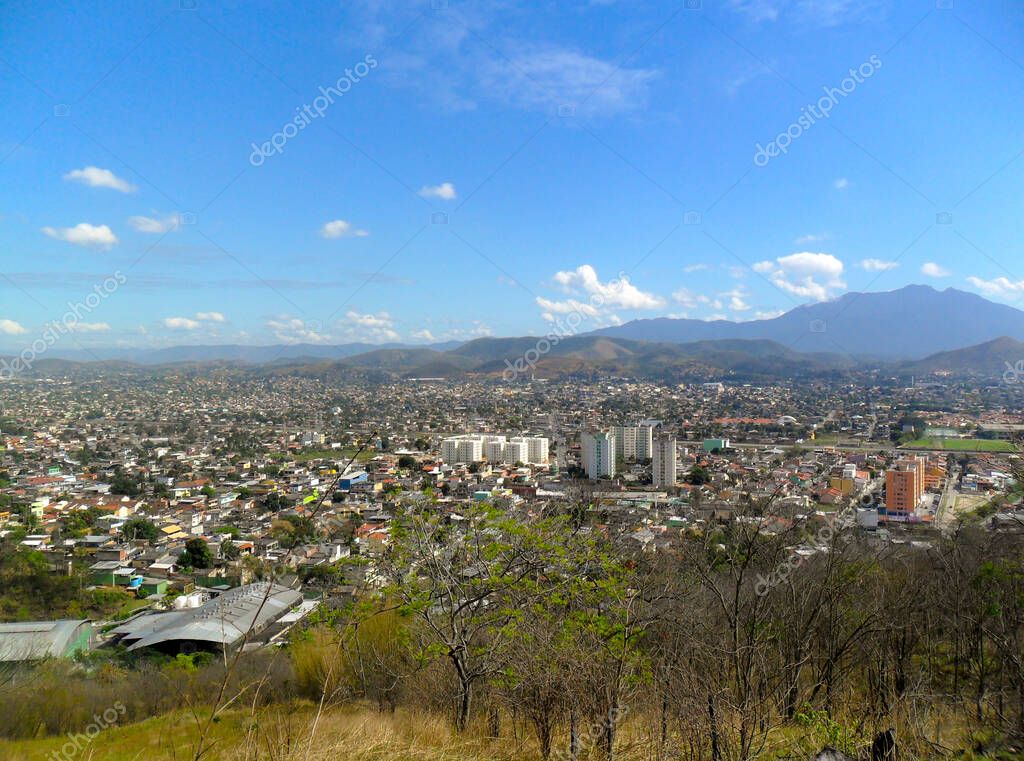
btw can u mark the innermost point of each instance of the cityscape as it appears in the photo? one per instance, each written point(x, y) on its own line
point(498, 379)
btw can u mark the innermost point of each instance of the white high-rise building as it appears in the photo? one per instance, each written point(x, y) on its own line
point(633, 442)
point(598, 450)
point(625, 442)
point(466, 448)
point(471, 450)
point(450, 450)
point(515, 451)
point(664, 461)
point(494, 451)
point(471, 447)
point(536, 448)
point(644, 442)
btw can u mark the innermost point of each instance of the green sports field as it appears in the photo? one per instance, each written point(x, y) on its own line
point(962, 445)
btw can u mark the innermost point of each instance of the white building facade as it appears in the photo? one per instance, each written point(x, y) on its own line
point(598, 453)
point(472, 447)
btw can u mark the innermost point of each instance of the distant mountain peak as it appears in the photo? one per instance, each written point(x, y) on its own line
point(907, 323)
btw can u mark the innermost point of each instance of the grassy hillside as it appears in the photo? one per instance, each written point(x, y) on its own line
point(294, 732)
point(286, 733)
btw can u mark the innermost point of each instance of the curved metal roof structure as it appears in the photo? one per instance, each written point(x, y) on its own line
point(223, 621)
point(35, 640)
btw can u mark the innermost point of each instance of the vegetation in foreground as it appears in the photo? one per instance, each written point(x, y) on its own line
point(495, 635)
point(300, 731)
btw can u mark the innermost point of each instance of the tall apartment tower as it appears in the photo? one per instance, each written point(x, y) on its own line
point(644, 442)
point(664, 461)
point(536, 449)
point(598, 450)
point(633, 442)
point(539, 447)
point(625, 441)
point(516, 451)
point(904, 484)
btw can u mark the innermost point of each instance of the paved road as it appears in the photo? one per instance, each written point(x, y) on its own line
point(849, 446)
point(873, 446)
point(947, 500)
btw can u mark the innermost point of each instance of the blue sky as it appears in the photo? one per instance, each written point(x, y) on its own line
point(488, 167)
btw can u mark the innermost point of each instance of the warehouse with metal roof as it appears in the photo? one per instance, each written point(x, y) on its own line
point(222, 623)
point(38, 640)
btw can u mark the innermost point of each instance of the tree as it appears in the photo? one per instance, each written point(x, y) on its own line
point(292, 530)
point(196, 555)
point(698, 476)
point(465, 583)
point(229, 550)
point(125, 485)
point(275, 502)
point(575, 651)
point(140, 528)
point(407, 461)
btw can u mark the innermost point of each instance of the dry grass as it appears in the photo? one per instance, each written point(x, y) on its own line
point(282, 733)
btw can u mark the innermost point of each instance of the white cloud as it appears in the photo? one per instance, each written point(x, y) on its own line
point(568, 306)
point(423, 335)
point(445, 191)
point(211, 317)
point(476, 330)
point(339, 228)
point(552, 78)
point(180, 323)
point(1000, 286)
point(806, 274)
point(769, 315)
point(11, 328)
point(155, 225)
point(614, 293)
point(805, 240)
point(695, 268)
point(747, 73)
point(99, 178)
point(758, 10)
point(488, 51)
point(370, 327)
point(931, 269)
point(688, 299)
point(737, 300)
point(84, 234)
point(824, 13)
point(383, 319)
point(88, 327)
point(292, 330)
point(841, 184)
point(878, 265)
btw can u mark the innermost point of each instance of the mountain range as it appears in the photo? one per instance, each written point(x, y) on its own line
point(915, 330)
point(594, 357)
point(227, 352)
point(737, 360)
point(910, 323)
